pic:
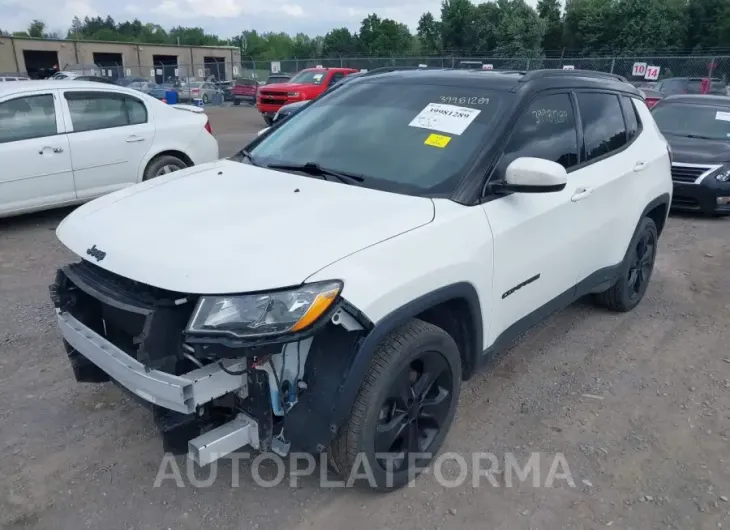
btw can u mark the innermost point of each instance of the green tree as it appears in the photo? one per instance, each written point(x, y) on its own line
point(647, 26)
point(369, 33)
point(487, 19)
point(37, 29)
point(429, 33)
point(703, 30)
point(589, 26)
point(549, 13)
point(457, 25)
point(520, 31)
point(339, 42)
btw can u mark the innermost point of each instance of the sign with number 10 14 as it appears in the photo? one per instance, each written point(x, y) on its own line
point(639, 70)
point(652, 73)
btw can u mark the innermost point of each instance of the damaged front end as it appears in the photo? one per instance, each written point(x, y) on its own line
point(214, 386)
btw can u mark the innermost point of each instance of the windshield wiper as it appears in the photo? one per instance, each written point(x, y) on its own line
point(315, 169)
point(244, 154)
point(698, 136)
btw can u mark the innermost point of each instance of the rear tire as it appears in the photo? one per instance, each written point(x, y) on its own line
point(162, 165)
point(405, 406)
point(205, 99)
point(636, 270)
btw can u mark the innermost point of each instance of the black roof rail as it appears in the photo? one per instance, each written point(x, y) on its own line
point(553, 72)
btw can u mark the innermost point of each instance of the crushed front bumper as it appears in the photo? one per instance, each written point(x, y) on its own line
point(181, 393)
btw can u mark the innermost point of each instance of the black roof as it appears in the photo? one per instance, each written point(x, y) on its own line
point(698, 99)
point(508, 80)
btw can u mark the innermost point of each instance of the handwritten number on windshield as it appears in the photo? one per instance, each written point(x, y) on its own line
point(456, 100)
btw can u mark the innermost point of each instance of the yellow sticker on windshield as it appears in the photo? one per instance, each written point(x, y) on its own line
point(437, 140)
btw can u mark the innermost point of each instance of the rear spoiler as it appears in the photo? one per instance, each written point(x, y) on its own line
point(189, 108)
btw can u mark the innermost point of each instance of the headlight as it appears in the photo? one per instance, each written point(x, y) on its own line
point(292, 94)
point(256, 315)
point(723, 174)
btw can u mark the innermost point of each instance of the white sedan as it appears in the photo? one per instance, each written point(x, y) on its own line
point(67, 142)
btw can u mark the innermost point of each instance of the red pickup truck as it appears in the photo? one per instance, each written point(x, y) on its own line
point(244, 90)
point(307, 84)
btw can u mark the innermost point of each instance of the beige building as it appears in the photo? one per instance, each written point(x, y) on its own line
point(38, 58)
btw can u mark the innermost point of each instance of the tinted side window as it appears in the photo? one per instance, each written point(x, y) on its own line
point(137, 111)
point(91, 111)
point(632, 118)
point(603, 123)
point(336, 77)
point(27, 117)
point(546, 130)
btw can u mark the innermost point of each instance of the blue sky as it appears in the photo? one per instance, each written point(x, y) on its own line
point(222, 17)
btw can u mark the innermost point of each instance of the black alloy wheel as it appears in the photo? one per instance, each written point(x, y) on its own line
point(635, 271)
point(415, 409)
point(403, 410)
point(643, 263)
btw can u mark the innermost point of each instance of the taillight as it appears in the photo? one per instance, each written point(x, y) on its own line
point(208, 127)
point(650, 102)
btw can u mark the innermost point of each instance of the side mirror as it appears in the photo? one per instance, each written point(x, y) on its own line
point(533, 175)
point(262, 131)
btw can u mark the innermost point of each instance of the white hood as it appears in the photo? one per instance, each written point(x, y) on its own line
point(228, 227)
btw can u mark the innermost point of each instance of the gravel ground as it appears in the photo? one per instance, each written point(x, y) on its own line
point(638, 404)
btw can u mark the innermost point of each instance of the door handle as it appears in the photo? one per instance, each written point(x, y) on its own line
point(134, 138)
point(48, 147)
point(581, 193)
point(640, 166)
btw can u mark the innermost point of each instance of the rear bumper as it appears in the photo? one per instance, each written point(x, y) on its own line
point(244, 97)
point(181, 393)
point(700, 198)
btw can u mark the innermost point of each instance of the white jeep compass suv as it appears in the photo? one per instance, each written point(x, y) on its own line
point(330, 287)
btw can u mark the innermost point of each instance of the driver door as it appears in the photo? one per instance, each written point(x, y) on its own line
point(537, 251)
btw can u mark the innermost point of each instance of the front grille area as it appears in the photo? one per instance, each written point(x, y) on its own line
point(687, 173)
point(145, 322)
point(685, 202)
point(269, 96)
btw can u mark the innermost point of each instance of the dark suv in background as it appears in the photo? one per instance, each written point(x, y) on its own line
point(689, 85)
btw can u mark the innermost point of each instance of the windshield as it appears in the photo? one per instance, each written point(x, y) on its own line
point(410, 138)
point(682, 119)
point(309, 77)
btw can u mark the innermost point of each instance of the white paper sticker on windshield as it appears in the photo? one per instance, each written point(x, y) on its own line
point(445, 118)
point(317, 77)
point(722, 116)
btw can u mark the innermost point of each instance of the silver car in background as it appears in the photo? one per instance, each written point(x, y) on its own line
point(198, 90)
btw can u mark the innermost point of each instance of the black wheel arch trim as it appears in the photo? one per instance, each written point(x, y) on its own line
point(664, 199)
point(366, 349)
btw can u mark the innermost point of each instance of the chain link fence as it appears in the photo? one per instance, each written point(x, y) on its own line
point(223, 73)
point(669, 66)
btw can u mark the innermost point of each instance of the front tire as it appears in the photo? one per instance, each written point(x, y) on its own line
point(636, 270)
point(403, 410)
point(236, 102)
point(269, 120)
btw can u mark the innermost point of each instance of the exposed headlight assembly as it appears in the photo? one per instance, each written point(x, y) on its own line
point(723, 174)
point(264, 314)
point(292, 94)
